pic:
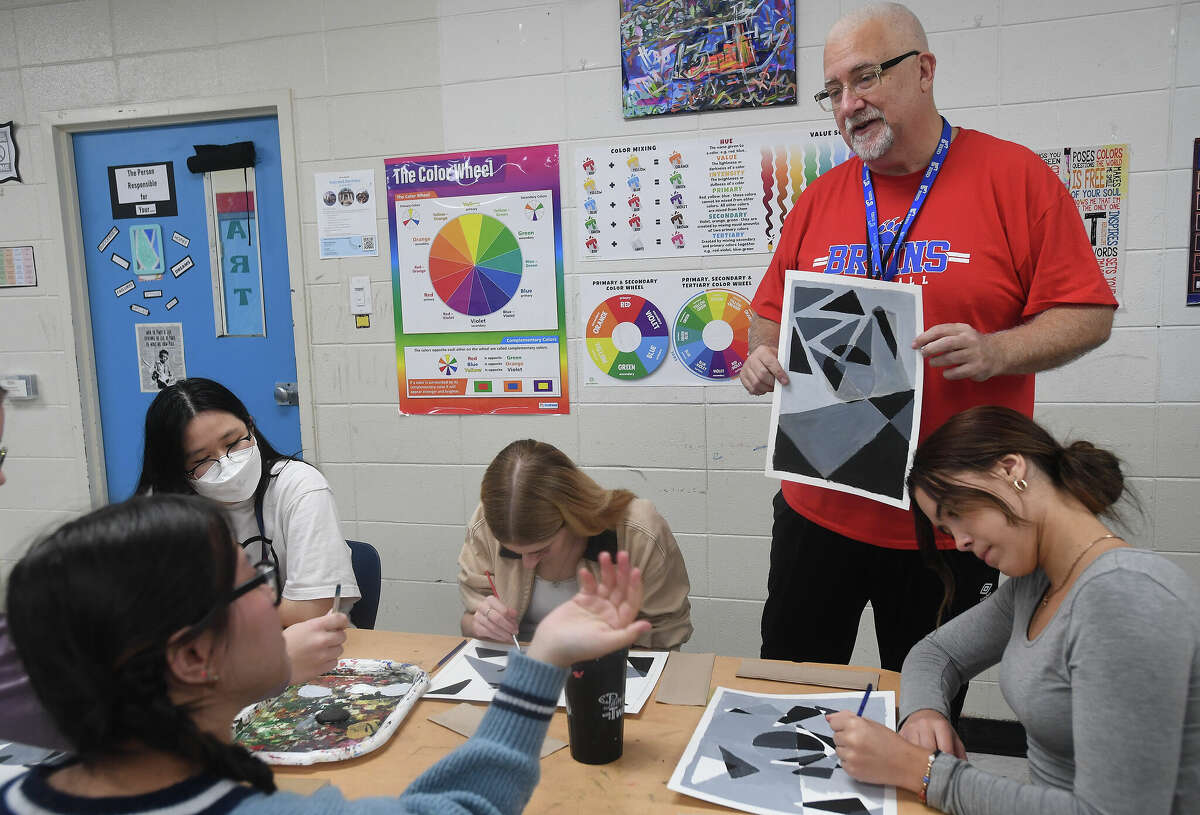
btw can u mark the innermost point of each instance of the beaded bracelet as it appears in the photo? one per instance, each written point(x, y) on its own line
point(925, 778)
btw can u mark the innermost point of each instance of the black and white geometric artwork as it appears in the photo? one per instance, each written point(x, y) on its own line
point(771, 754)
point(849, 416)
point(476, 671)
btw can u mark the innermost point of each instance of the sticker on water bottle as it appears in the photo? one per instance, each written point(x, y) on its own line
point(611, 706)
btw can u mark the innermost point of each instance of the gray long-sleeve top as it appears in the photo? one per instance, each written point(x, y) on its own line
point(1108, 692)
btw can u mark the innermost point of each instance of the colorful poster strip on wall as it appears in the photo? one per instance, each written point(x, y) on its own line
point(1097, 177)
point(477, 279)
point(685, 196)
point(679, 56)
point(666, 328)
point(17, 267)
point(1193, 253)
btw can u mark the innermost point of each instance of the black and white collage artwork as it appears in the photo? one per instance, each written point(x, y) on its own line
point(849, 416)
point(769, 753)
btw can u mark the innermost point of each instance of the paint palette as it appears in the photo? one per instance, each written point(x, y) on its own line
point(346, 713)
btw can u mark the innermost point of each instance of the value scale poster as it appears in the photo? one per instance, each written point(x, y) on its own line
point(666, 328)
point(477, 279)
point(681, 196)
point(1098, 180)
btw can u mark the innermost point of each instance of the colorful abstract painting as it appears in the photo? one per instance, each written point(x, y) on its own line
point(680, 56)
point(343, 714)
point(768, 754)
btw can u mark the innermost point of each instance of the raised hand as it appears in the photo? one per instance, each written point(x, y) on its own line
point(600, 619)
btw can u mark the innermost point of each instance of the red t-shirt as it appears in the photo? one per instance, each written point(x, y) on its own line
point(998, 241)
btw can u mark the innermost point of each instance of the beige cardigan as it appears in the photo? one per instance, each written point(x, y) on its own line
point(643, 534)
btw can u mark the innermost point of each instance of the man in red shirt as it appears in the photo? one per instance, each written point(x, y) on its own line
point(1010, 287)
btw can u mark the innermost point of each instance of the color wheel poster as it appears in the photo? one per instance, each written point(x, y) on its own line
point(477, 278)
point(687, 196)
point(667, 328)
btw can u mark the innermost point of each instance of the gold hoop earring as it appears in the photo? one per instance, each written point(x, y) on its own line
point(1020, 484)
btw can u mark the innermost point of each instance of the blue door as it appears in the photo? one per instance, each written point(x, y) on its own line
point(187, 275)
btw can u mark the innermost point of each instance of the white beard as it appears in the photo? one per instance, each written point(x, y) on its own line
point(866, 148)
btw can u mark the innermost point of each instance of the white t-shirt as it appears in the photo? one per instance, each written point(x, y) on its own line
point(300, 519)
point(547, 596)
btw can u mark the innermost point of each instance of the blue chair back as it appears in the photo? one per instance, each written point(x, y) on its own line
point(368, 574)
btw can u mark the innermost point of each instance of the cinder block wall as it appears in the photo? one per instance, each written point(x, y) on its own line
point(378, 78)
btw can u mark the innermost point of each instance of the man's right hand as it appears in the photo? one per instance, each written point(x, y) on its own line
point(761, 370)
point(493, 621)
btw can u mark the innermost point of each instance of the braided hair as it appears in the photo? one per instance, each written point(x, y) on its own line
point(91, 608)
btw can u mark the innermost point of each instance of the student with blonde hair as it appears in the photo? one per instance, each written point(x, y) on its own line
point(540, 518)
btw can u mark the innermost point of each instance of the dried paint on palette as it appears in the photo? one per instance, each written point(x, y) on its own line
point(289, 722)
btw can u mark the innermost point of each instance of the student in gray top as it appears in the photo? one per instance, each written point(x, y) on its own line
point(1098, 643)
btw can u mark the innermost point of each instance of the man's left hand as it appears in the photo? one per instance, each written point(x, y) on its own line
point(961, 350)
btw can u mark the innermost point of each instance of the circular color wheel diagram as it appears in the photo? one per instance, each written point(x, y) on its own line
point(627, 337)
point(475, 264)
point(712, 334)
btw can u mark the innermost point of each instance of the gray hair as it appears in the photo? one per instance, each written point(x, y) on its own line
point(897, 17)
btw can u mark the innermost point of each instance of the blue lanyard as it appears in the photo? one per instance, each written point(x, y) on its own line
point(885, 264)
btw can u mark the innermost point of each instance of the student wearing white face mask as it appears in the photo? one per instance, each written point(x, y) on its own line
point(200, 439)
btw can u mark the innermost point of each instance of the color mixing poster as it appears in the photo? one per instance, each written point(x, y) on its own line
point(477, 278)
point(666, 328)
point(687, 196)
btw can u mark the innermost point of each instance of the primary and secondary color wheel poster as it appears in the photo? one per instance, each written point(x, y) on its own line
point(630, 339)
point(712, 334)
point(627, 337)
point(475, 264)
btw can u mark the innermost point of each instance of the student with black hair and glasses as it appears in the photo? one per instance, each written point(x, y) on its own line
point(144, 653)
point(201, 440)
point(21, 717)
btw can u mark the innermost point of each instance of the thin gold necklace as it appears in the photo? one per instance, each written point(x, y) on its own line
point(1051, 591)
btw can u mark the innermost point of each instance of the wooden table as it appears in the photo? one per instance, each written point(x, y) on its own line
point(654, 741)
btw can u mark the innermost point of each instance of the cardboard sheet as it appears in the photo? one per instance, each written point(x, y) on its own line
point(686, 679)
point(804, 673)
point(464, 719)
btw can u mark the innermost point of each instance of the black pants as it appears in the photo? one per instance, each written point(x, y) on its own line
point(820, 583)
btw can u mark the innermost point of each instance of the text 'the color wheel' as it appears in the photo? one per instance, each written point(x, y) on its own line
point(475, 264)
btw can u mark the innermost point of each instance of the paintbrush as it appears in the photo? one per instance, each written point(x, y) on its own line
point(497, 595)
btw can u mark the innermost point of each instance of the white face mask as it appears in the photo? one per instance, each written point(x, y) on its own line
point(234, 480)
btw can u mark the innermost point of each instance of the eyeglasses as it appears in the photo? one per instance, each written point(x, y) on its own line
point(201, 469)
point(265, 575)
point(863, 81)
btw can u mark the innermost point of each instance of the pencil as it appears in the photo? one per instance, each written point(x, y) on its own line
point(453, 651)
point(863, 705)
point(496, 594)
point(337, 599)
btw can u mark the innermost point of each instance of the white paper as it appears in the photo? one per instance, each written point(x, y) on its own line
point(346, 210)
point(161, 359)
point(771, 754)
point(848, 419)
point(480, 663)
point(139, 184)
